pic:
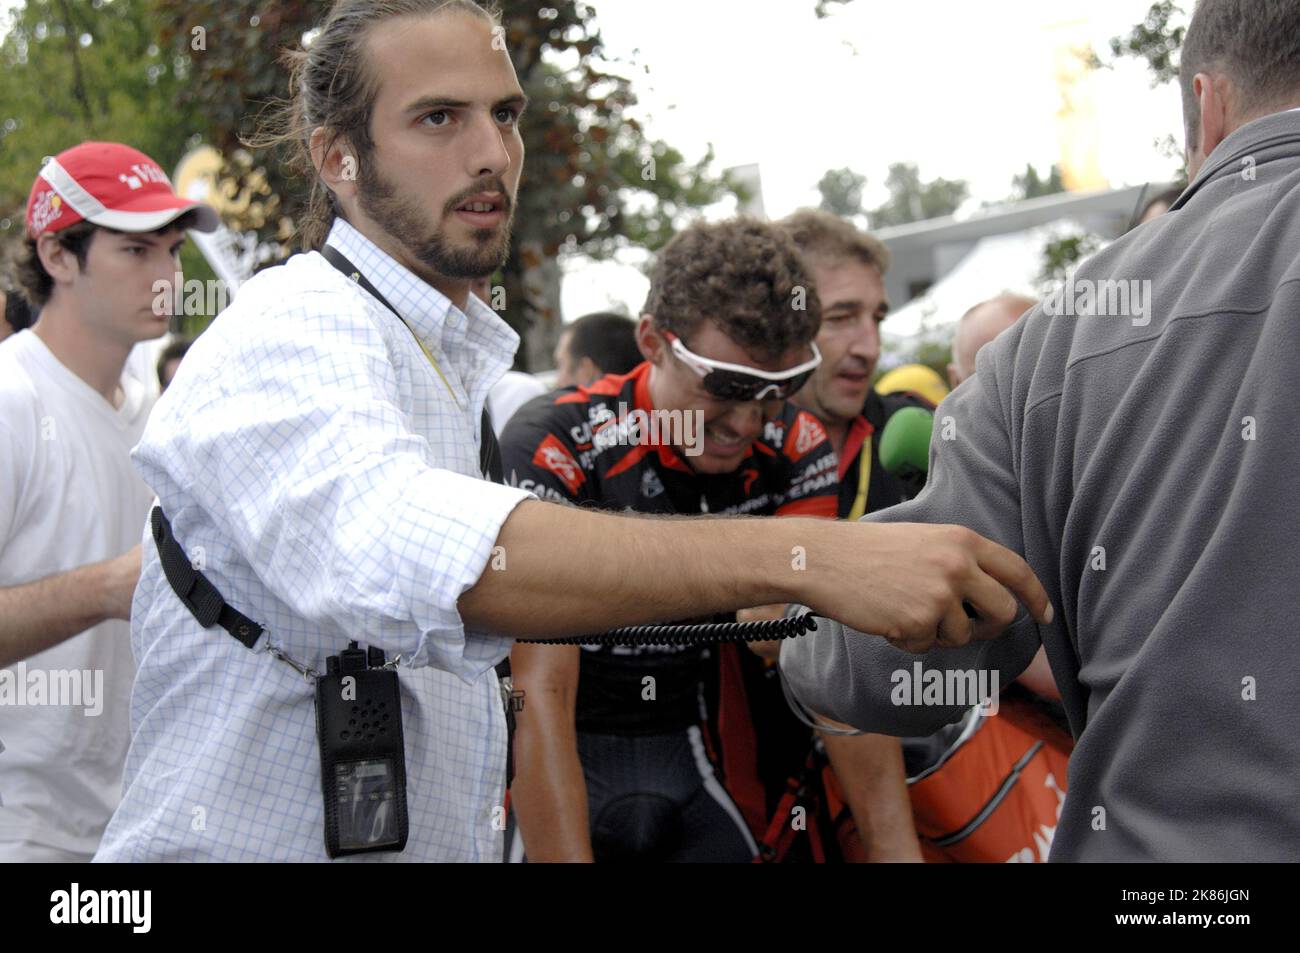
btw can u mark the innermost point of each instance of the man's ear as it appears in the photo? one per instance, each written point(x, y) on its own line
point(1213, 95)
point(653, 345)
point(587, 372)
point(58, 261)
point(953, 377)
point(336, 162)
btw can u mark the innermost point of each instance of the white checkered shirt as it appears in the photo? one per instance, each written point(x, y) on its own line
point(316, 469)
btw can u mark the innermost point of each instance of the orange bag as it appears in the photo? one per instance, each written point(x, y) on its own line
point(996, 794)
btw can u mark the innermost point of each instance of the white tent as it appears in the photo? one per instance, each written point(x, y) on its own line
point(1009, 262)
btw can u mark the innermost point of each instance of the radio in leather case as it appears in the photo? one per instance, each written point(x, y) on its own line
point(362, 754)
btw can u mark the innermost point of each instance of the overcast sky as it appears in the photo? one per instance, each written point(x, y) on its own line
point(943, 83)
point(963, 92)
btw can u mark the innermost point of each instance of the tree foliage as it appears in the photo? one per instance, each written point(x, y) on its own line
point(1061, 255)
point(911, 200)
point(1155, 40)
point(841, 192)
point(1030, 185)
point(77, 70)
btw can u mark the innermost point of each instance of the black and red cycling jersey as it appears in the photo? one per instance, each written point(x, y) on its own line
point(580, 446)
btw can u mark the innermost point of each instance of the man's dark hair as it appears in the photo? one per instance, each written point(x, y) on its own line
point(172, 352)
point(1255, 42)
point(18, 313)
point(746, 276)
point(36, 282)
point(330, 85)
point(608, 339)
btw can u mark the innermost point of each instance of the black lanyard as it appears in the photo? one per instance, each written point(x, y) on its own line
point(489, 457)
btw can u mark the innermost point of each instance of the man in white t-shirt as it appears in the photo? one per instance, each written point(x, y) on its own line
point(103, 227)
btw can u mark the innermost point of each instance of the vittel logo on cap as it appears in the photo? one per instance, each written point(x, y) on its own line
point(141, 174)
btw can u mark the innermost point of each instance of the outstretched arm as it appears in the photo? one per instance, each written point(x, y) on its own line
point(39, 615)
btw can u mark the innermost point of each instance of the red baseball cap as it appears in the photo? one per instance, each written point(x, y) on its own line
point(111, 185)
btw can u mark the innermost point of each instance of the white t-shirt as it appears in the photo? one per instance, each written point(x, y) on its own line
point(68, 496)
point(509, 394)
point(142, 364)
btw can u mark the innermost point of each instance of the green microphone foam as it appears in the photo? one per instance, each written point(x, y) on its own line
point(905, 440)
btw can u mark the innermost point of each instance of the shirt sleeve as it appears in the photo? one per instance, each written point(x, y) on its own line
point(295, 443)
point(539, 453)
point(859, 678)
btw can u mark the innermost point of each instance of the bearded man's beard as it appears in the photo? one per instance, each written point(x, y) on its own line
point(407, 223)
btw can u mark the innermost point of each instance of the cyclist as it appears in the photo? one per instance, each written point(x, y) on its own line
point(614, 759)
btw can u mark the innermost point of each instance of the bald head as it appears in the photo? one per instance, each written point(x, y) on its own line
point(980, 325)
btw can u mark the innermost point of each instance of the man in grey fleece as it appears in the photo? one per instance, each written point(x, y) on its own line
point(1136, 438)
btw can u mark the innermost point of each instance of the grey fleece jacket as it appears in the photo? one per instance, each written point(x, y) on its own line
point(1146, 466)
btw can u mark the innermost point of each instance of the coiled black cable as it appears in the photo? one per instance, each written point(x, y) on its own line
point(699, 634)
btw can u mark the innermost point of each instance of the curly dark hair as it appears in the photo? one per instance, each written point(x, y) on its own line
point(743, 274)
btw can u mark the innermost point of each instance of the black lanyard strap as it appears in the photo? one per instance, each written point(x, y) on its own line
point(198, 594)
